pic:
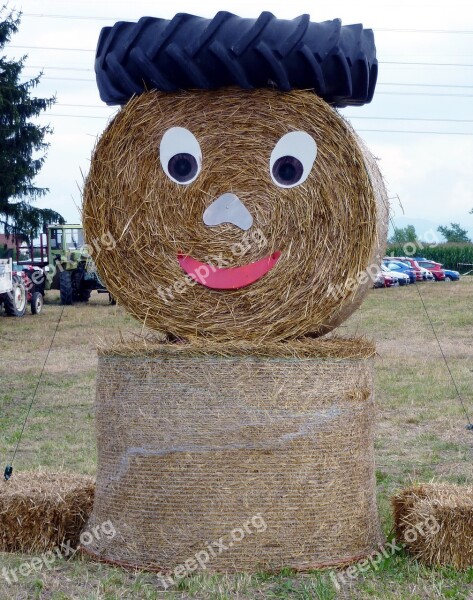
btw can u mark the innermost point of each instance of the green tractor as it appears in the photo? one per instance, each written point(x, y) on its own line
point(66, 262)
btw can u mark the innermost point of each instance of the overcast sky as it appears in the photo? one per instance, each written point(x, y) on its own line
point(420, 123)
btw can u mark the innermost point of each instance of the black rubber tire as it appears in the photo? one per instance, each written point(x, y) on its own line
point(36, 303)
point(15, 305)
point(111, 300)
point(81, 295)
point(65, 287)
point(188, 52)
point(79, 292)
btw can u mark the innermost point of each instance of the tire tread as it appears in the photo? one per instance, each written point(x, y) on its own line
point(189, 52)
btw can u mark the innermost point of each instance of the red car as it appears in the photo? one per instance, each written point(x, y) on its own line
point(412, 263)
point(434, 267)
point(384, 280)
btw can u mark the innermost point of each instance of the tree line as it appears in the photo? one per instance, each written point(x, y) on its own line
point(452, 233)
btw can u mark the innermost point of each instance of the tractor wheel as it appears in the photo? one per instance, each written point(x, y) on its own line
point(15, 301)
point(79, 292)
point(82, 295)
point(188, 52)
point(65, 287)
point(36, 303)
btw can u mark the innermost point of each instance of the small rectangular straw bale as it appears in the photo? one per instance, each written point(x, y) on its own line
point(435, 522)
point(40, 510)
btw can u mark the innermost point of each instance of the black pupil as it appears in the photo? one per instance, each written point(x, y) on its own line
point(287, 170)
point(182, 167)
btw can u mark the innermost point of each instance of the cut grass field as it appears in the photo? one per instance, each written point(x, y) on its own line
point(421, 436)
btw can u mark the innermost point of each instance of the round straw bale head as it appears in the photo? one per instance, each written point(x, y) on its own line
point(309, 225)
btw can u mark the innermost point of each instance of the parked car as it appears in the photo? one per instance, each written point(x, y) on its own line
point(400, 267)
point(383, 280)
point(412, 263)
point(451, 275)
point(402, 277)
point(434, 267)
point(427, 275)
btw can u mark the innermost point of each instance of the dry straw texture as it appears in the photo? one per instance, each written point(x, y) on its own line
point(451, 543)
point(328, 229)
point(40, 510)
point(191, 446)
point(325, 347)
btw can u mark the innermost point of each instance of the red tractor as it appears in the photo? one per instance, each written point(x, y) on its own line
point(20, 286)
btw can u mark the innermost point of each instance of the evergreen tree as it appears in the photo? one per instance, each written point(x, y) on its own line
point(22, 146)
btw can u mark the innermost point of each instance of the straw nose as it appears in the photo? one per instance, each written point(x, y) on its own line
point(228, 208)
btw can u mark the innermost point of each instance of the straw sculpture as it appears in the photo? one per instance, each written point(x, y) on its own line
point(204, 441)
point(328, 230)
point(435, 522)
point(237, 409)
point(41, 510)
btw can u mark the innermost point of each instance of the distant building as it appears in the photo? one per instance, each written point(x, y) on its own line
point(7, 245)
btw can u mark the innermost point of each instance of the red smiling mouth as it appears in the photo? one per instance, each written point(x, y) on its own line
point(232, 278)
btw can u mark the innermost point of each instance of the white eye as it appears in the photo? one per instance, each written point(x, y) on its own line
point(292, 159)
point(180, 155)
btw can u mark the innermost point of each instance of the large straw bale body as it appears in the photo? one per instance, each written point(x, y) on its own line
point(435, 522)
point(39, 510)
point(197, 441)
point(329, 229)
